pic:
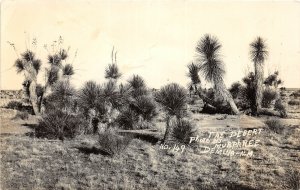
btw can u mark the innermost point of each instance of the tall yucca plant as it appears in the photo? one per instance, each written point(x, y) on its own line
point(212, 67)
point(258, 54)
point(30, 66)
point(174, 99)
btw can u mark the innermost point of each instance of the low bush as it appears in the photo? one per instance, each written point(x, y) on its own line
point(14, 105)
point(294, 102)
point(280, 107)
point(275, 125)
point(57, 124)
point(112, 143)
point(183, 130)
point(269, 96)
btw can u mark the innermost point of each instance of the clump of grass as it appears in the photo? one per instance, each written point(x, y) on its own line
point(183, 130)
point(14, 105)
point(275, 125)
point(293, 180)
point(113, 143)
point(57, 124)
point(294, 102)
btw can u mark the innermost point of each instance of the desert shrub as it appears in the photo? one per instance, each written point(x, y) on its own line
point(293, 180)
point(235, 89)
point(57, 124)
point(296, 94)
point(144, 106)
point(280, 107)
point(22, 115)
point(127, 119)
point(183, 130)
point(113, 143)
point(14, 105)
point(294, 102)
point(269, 95)
point(275, 125)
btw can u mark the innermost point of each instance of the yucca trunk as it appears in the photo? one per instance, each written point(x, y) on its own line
point(259, 74)
point(30, 75)
point(33, 98)
point(169, 128)
point(222, 91)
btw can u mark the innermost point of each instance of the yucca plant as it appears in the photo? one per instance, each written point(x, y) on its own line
point(88, 96)
point(144, 106)
point(193, 74)
point(137, 85)
point(173, 98)
point(258, 54)
point(112, 72)
point(30, 66)
point(212, 67)
point(61, 98)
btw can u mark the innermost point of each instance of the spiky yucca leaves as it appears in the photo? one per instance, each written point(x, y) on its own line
point(68, 70)
point(28, 56)
point(212, 67)
point(138, 86)
point(36, 63)
point(183, 130)
point(194, 73)
point(88, 96)
point(173, 98)
point(247, 93)
point(62, 97)
point(112, 95)
point(63, 54)
point(258, 51)
point(112, 72)
point(273, 80)
point(19, 65)
point(54, 60)
point(57, 124)
point(258, 54)
point(144, 106)
point(208, 49)
point(136, 82)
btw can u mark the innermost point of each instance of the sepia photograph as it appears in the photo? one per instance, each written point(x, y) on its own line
point(149, 95)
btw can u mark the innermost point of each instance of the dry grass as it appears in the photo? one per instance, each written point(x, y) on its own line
point(32, 163)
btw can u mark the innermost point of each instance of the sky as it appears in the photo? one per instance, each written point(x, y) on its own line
point(154, 39)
